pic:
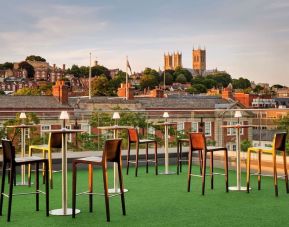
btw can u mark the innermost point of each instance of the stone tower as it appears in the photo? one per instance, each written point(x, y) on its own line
point(177, 60)
point(168, 60)
point(172, 61)
point(199, 60)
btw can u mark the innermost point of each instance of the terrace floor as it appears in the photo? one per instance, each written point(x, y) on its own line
point(159, 201)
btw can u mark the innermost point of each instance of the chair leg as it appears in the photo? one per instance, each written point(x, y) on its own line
point(204, 171)
point(181, 156)
point(50, 168)
point(147, 164)
point(212, 170)
point(29, 168)
point(178, 157)
point(43, 166)
point(201, 161)
point(189, 170)
point(275, 174)
point(105, 179)
point(121, 188)
point(285, 171)
point(12, 176)
point(128, 158)
point(156, 157)
point(47, 188)
point(136, 158)
point(90, 186)
point(37, 185)
point(2, 186)
point(259, 170)
point(248, 170)
point(226, 170)
point(74, 171)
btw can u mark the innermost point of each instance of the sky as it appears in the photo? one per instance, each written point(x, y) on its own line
point(248, 38)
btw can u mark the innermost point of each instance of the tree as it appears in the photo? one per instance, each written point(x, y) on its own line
point(35, 58)
point(185, 72)
point(241, 83)
point(222, 79)
point(148, 81)
point(169, 78)
point(99, 70)
point(181, 79)
point(100, 86)
point(29, 68)
point(7, 65)
point(197, 88)
point(150, 78)
point(75, 70)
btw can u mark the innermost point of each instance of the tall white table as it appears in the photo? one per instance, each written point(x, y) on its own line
point(115, 129)
point(166, 140)
point(22, 127)
point(238, 187)
point(64, 210)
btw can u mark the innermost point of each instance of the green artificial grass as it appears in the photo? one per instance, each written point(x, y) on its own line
point(160, 200)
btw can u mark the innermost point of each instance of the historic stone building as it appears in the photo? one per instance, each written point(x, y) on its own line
point(199, 60)
point(172, 61)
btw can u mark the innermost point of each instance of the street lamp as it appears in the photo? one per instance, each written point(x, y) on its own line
point(22, 117)
point(166, 115)
point(64, 116)
point(116, 116)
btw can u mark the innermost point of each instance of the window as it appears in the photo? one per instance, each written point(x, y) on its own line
point(208, 129)
point(44, 128)
point(180, 127)
point(232, 131)
point(151, 132)
point(85, 128)
point(195, 127)
point(69, 137)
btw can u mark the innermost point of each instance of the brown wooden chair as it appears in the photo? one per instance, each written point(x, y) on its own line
point(198, 142)
point(133, 138)
point(54, 141)
point(10, 159)
point(279, 144)
point(111, 153)
point(180, 159)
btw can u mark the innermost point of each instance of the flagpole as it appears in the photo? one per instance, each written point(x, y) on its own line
point(164, 79)
point(89, 78)
point(126, 80)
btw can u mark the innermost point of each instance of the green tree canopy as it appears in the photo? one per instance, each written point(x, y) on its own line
point(35, 58)
point(222, 79)
point(169, 78)
point(184, 72)
point(241, 83)
point(197, 89)
point(29, 68)
point(100, 86)
point(181, 79)
point(7, 65)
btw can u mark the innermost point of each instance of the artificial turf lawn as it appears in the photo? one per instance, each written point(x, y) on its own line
point(158, 201)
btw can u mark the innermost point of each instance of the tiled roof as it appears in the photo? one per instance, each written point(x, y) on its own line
point(30, 102)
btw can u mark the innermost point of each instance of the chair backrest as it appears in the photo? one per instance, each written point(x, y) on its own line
point(112, 150)
point(133, 135)
point(55, 140)
point(8, 151)
point(279, 142)
point(197, 141)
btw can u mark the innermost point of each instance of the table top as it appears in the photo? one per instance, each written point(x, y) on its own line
point(167, 123)
point(237, 126)
point(114, 127)
point(63, 130)
point(21, 126)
